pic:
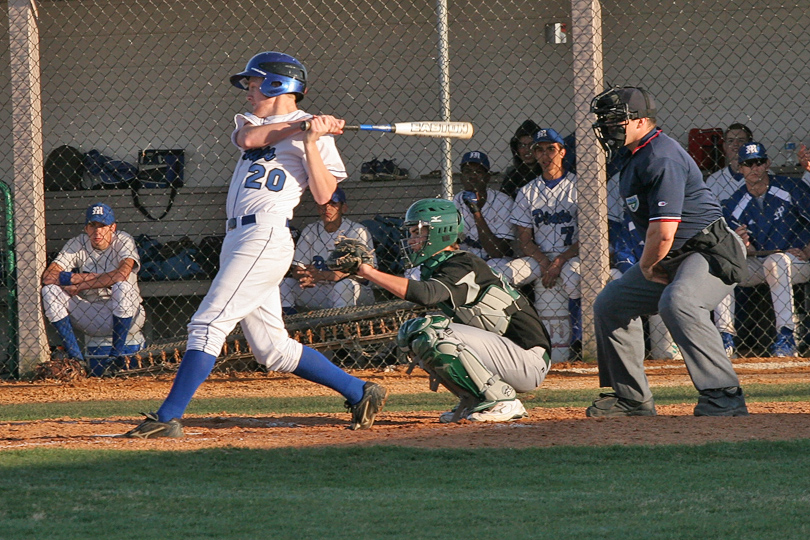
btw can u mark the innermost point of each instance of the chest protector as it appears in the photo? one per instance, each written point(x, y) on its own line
point(492, 310)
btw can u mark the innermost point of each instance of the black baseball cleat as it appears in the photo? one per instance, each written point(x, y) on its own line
point(721, 402)
point(152, 428)
point(365, 410)
point(610, 406)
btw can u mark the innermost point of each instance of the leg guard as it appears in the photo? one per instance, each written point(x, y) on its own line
point(455, 365)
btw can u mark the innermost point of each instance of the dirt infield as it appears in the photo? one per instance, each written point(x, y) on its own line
point(544, 427)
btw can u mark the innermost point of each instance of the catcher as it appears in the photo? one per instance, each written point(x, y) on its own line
point(491, 344)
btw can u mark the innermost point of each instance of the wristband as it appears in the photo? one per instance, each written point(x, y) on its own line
point(64, 278)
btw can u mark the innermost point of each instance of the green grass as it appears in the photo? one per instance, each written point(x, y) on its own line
point(429, 401)
point(753, 490)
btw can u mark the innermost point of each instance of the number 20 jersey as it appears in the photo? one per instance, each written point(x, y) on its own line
point(272, 179)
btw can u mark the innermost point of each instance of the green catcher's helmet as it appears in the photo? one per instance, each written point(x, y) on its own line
point(444, 224)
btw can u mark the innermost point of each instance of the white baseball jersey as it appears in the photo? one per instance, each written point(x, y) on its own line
point(497, 212)
point(272, 179)
point(550, 209)
point(724, 183)
point(315, 242)
point(255, 256)
point(79, 254)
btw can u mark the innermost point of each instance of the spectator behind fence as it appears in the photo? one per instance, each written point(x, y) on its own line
point(545, 217)
point(92, 285)
point(312, 285)
point(770, 213)
point(729, 179)
point(486, 213)
point(524, 167)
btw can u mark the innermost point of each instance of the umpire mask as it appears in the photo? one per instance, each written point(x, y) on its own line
point(613, 108)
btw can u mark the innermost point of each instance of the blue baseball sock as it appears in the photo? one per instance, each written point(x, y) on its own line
point(314, 367)
point(575, 310)
point(194, 369)
point(119, 337)
point(65, 330)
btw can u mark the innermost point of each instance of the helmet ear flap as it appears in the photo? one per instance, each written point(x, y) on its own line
point(282, 74)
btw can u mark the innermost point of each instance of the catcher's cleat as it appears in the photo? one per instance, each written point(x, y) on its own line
point(505, 411)
point(365, 410)
point(610, 405)
point(151, 428)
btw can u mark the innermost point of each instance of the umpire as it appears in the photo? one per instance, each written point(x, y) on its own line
point(691, 260)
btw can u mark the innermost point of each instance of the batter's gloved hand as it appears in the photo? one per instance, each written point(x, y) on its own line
point(348, 255)
point(471, 200)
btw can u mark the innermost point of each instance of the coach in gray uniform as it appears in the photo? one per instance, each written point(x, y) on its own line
point(691, 261)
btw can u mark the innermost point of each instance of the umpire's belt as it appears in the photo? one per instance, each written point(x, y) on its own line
point(262, 219)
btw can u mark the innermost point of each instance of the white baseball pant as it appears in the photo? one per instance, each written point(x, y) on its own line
point(780, 271)
point(338, 294)
point(95, 318)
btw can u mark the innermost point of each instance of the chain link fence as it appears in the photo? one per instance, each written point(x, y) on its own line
point(129, 104)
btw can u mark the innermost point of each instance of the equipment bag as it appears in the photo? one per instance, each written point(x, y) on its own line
point(64, 169)
point(159, 169)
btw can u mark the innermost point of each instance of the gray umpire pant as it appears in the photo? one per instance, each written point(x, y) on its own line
point(685, 305)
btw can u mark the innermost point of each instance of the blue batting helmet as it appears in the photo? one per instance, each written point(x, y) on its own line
point(282, 74)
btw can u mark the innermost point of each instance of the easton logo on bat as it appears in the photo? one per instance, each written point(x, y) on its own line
point(460, 128)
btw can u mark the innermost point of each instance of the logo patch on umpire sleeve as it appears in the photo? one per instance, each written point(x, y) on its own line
point(632, 203)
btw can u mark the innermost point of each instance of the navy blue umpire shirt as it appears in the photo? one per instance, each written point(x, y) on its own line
point(661, 182)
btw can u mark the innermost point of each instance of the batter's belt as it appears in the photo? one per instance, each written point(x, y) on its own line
point(251, 219)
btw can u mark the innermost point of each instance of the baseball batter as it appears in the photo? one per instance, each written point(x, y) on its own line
point(495, 345)
point(690, 262)
point(270, 176)
point(93, 285)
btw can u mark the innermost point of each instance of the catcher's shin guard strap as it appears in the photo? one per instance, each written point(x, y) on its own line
point(458, 366)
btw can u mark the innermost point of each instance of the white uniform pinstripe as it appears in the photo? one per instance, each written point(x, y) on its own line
point(267, 183)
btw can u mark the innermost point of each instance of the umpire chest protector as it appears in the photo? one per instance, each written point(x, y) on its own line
point(488, 306)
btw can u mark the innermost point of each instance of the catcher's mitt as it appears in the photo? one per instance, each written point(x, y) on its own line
point(348, 255)
point(60, 368)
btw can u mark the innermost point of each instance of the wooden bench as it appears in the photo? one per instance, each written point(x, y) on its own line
point(198, 212)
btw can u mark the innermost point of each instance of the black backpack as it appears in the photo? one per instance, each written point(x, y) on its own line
point(64, 169)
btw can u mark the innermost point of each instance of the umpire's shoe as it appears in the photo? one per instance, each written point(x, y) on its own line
point(610, 405)
point(365, 410)
point(151, 428)
point(721, 402)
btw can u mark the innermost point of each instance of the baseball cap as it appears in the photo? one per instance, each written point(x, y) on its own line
point(99, 213)
point(476, 157)
point(638, 101)
point(547, 135)
point(752, 151)
point(339, 196)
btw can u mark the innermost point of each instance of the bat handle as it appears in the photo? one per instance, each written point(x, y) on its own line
point(306, 124)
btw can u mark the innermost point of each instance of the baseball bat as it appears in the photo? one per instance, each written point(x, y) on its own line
point(455, 130)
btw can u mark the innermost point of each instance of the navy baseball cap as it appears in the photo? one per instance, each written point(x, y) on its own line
point(339, 196)
point(548, 135)
point(99, 213)
point(476, 157)
point(752, 151)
